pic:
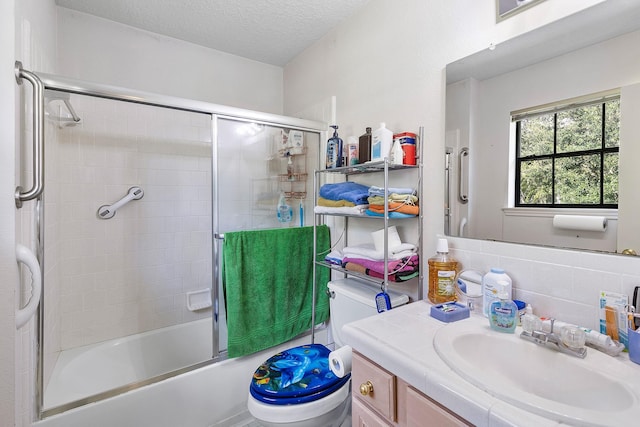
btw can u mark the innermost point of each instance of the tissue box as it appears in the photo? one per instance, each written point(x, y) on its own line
point(449, 311)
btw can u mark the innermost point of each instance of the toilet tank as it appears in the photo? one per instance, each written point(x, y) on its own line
point(354, 299)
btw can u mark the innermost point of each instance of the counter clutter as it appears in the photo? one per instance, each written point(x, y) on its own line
point(402, 342)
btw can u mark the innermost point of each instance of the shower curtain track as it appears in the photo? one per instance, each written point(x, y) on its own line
point(42, 82)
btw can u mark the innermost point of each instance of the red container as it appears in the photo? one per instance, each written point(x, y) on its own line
point(408, 144)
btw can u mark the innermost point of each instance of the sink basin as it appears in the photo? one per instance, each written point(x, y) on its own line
point(599, 390)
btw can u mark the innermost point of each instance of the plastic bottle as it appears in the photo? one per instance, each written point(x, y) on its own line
point(364, 147)
point(442, 274)
point(489, 290)
point(334, 150)
point(290, 176)
point(503, 313)
point(381, 140)
point(352, 151)
point(283, 210)
point(397, 155)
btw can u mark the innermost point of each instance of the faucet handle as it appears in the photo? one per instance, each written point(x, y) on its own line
point(552, 320)
point(573, 337)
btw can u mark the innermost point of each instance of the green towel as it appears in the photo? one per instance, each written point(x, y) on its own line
point(268, 278)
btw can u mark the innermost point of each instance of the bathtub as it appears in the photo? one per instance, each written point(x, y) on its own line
point(213, 395)
point(89, 370)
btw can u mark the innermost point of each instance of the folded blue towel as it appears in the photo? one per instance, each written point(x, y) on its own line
point(350, 191)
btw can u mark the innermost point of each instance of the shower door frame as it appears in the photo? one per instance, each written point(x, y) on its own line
point(216, 111)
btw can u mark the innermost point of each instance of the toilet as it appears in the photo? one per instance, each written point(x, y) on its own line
point(296, 388)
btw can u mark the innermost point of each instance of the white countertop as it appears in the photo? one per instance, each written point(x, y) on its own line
point(401, 341)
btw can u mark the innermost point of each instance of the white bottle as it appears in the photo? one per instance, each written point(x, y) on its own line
point(397, 154)
point(381, 140)
point(490, 288)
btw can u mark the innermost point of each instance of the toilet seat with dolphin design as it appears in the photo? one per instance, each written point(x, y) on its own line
point(296, 375)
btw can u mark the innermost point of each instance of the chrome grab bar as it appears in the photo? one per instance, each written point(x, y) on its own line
point(462, 178)
point(38, 136)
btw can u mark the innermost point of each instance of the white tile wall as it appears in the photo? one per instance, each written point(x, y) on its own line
point(130, 273)
point(558, 283)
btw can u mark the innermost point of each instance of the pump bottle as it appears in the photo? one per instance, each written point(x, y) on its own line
point(334, 150)
point(442, 274)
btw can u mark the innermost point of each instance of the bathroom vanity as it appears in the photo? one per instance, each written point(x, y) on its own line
point(406, 382)
point(384, 399)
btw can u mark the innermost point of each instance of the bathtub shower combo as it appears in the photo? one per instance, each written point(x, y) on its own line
point(129, 220)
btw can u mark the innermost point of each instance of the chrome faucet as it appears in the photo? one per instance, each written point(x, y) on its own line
point(553, 340)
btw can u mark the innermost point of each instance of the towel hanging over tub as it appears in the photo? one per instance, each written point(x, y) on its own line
point(268, 278)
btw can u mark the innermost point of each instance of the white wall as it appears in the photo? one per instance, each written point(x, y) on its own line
point(103, 51)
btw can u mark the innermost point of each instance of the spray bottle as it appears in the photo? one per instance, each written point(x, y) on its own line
point(334, 150)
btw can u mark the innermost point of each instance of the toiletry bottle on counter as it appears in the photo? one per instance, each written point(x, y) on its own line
point(364, 147)
point(381, 140)
point(442, 274)
point(489, 288)
point(334, 150)
point(503, 313)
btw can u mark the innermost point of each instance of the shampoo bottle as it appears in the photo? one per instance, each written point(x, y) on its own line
point(334, 150)
point(381, 140)
point(442, 275)
point(503, 313)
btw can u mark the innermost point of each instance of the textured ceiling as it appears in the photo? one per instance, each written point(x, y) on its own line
point(269, 31)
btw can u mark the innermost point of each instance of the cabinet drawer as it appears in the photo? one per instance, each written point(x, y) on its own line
point(379, 385)
point(362, 416)
point(423, 411)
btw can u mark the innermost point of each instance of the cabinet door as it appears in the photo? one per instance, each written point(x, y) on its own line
point(422, 411)
point(382, 384)
point(361, 416)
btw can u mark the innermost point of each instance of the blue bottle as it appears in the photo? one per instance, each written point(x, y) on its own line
point(334, 150)
point(503, 313)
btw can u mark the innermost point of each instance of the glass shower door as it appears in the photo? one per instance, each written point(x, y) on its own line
point(257, 166)
point(128, 294)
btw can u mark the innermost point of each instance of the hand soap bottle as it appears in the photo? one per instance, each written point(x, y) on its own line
point(443, 269)
point(503, 313)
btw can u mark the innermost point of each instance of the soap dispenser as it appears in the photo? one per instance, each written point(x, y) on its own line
point(334, 150)
point(283, 210)
point(503, 313)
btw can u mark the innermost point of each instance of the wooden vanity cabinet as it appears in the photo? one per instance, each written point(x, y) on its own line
point(380, 399)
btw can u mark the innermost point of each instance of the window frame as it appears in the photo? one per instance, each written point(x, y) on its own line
point(555, 108)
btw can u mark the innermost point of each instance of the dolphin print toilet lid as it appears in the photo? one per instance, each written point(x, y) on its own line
point(297, 375)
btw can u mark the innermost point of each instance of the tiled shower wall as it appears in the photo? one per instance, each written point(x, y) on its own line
point(559, 283)
point(131, 273)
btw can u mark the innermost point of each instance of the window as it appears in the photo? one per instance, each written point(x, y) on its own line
point(567, 154)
